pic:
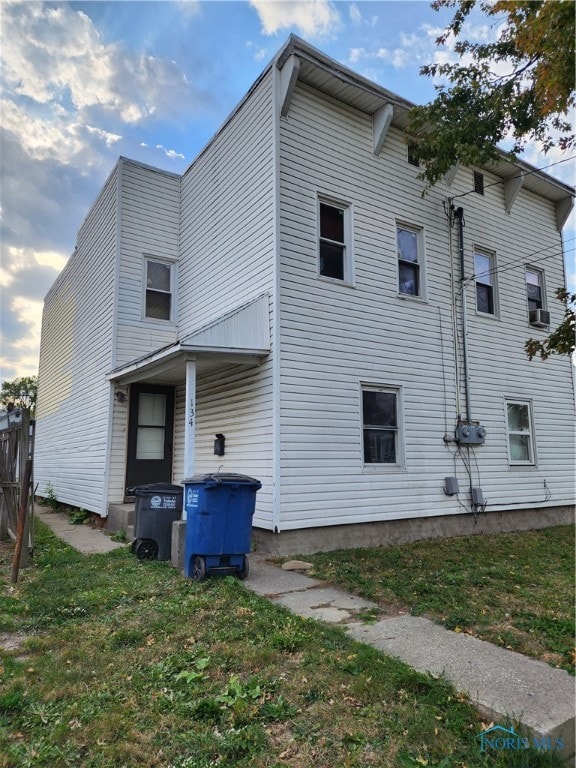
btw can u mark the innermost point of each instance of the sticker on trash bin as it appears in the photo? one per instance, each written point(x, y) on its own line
point(164, 502)
point(192, 496)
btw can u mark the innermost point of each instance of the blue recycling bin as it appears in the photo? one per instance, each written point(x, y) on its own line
point(219, 510)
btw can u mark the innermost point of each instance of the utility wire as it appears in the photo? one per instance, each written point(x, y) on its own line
point(520, 176)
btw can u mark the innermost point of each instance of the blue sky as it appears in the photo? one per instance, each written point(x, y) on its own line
point(85, 82)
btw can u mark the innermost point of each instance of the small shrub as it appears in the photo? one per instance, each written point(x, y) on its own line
point(78, 516)
point(51, 498)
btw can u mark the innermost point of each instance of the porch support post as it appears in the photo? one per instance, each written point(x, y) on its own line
point(190, 418)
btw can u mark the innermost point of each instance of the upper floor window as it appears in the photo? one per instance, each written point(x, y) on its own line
point(335, 251)
point(535, 288)
point(485, 277)
point(410, 260)
point(538, 315)
point(380, 425)
point(158, 290)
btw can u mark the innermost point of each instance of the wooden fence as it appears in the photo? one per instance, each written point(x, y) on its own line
point(16, 447)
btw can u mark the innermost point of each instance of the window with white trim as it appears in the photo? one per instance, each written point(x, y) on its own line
point(485, 277)
point(381, 426)
point(158, 301)
point(535, 289)
point(520, 431)
point(409, 244)
point(334, 248)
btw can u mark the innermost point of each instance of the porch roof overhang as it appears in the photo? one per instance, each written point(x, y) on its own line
point(240, 337)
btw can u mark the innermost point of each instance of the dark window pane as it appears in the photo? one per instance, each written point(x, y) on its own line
point(484, 299)
point(379, 446)
point(407, 245)
point(158, 305)
point(158, 276)
point(408, 278)
point(379, 409)
point(518, 417)
point(534, 296)
point(332, 260)
point(331, 223)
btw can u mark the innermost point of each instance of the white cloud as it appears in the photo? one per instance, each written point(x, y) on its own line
point(171, 153)
point(313, 18)
point(355, 15)
point(356, 55)
point(259, 53)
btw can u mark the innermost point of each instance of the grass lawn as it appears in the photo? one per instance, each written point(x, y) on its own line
point(515, 590)
point(126, 663)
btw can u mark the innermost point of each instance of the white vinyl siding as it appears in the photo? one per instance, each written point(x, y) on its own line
point(227, 233)
point(73, 415)
point(235, 402)
point(149, 228)
point(332, 338)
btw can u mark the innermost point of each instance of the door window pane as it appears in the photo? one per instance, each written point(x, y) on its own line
point(152, 410)
point(150, 443)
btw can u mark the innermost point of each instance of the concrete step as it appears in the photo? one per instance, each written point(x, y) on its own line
point(120, 516)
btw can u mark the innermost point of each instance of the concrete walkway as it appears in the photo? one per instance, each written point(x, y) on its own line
point(502, 685)
point(84, 538)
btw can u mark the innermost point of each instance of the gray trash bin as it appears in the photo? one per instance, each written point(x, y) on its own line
point(157, 506)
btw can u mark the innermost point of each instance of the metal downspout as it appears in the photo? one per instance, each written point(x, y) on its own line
point(459, 214)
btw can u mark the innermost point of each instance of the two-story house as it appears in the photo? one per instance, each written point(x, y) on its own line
point(355, 345)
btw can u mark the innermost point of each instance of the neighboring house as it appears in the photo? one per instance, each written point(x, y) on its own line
point(294, 292)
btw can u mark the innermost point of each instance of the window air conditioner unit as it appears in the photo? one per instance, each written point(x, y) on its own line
point(540, 318)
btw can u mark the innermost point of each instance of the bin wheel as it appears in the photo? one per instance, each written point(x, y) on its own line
point(146, 549)
point(245, 570)
point(198, 568)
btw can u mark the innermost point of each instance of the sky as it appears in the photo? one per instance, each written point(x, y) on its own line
point(85, 82)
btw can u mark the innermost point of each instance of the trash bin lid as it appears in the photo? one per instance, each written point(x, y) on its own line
point(143, 490)
point(223, 478)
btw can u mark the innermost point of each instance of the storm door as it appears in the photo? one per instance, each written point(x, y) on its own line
point(150, 435)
